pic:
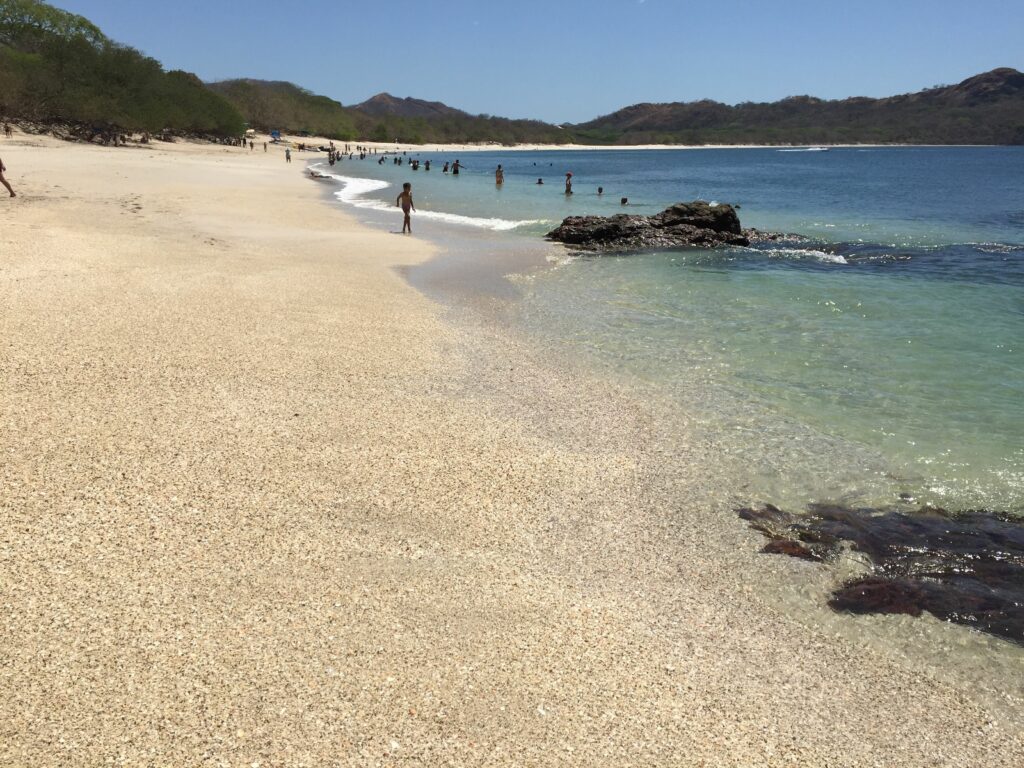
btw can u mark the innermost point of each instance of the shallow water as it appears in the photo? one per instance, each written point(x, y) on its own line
point(881, 364)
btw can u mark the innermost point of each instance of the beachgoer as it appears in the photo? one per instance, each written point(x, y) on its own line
point(540, 181)
point(568, 183)
point(404, 201)
point(445, 169)
point(252, 145)
point(264, 146)
point(499, 176)
point(8, 131)
point(624, 201)
point(600, 191)
point(455, 168)
point(4, 181)
point(287, 155)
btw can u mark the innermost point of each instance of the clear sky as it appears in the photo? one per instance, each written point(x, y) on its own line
point(572, 60)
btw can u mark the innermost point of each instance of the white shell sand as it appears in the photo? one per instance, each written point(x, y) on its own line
point(261, 504)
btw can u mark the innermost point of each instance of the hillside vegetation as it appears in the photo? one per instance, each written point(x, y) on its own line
point(58, 67)
point(985, 109)
point(291, 109)
point(286, 107)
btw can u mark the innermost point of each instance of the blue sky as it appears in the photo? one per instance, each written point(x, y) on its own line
point(572, 60)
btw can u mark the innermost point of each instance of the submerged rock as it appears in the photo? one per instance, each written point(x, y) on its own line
point(683, 224)
point(791, 548)
point(966, 567)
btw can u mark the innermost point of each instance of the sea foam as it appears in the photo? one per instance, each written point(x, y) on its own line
point(354, 191)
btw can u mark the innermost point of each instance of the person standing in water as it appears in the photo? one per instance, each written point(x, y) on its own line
point(568, 183)
point(455, 168)
point(4, 181)
point(499, 176)
point(404, 201)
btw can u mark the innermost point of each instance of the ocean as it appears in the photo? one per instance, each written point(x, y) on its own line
point(879, 364)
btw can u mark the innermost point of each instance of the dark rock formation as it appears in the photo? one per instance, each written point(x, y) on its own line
point(966, 567)
point(683, 224)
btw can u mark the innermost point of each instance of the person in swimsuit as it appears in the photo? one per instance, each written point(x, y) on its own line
point(404, 201)
point(568, 183)
point(455, 168)
point(499, 176)
point(4, 181)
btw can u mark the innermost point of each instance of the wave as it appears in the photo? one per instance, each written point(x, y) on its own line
point(997, 247)
point(805, 253)
point(354, 191)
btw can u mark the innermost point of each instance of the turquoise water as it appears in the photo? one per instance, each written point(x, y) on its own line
point(881, 363)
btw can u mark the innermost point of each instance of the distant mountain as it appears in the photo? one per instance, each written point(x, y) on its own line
point(57, 68)
point(386, 105)
point(270, 105)
point(985, 109)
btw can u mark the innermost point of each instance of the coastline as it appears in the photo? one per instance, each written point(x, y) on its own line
point(265, 503)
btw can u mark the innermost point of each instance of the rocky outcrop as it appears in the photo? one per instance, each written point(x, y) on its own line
point(683, 224)
point(965, 567)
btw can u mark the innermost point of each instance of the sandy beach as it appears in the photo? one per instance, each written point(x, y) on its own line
point(264, 504)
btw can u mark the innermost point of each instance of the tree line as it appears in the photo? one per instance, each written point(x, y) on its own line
point(57, 67)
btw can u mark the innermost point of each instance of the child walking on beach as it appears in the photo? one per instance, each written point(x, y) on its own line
point(4, 181)
point(404, 201)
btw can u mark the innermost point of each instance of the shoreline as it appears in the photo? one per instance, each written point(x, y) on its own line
point(526, 147)
point(267, 504)
point(464, 276)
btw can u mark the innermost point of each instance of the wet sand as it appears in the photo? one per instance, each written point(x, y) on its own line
point(263, 503)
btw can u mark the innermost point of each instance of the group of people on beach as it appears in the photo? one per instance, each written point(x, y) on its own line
point(404, 200)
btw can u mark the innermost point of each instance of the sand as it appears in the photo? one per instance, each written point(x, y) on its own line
point(263, 504)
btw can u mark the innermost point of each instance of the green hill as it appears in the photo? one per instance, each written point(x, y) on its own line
point(286, 107)
point(59, 67)
point(56, 67)
point(985, 109)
